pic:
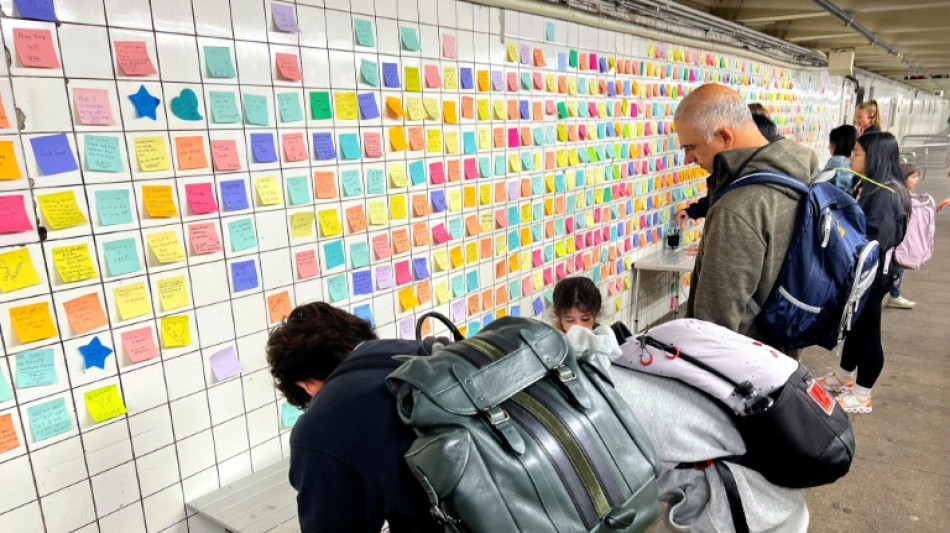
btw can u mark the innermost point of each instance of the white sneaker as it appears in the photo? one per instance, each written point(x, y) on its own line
point(900, 303)
point(832, 383)
point(850, 402)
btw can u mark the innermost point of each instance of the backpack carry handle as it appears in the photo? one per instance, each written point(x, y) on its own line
point(456, 334)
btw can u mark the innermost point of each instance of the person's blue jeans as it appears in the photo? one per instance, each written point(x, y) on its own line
point(896, 288)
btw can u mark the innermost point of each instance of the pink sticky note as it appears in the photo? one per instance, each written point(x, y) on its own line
point(34, 48)
point(569, 224)
point(514, 139)
point(440, 234)
point(93, 107)
point(403, 274)
point(200, 198)
point(538, 82)
point(382, 247)
point(471, 171)
point(139, 344)
point(132, 57)
point(204, 238)
point(288, 67)
point(13, 217)
point(549, 108)
point(561, 272)
point(526, 286)
point(295, 148)
point(512, 81)
point(536, 259)
point(225, 364)
point(224, 154)
point(433, 81)
point(582, 131)
point(448, 46)
point(373, 144)
point(501, 218)
point(548, 276)
point(436, 173)
point(306, 264)
point(592, 107)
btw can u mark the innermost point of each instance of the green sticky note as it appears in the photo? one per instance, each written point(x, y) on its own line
point(359, 254)
point(572, 59)
point(289, 107)
point(35, 368)
point(224, 109)
point(242, 234)
point(102, 153)
point(297, 190)
point(122, 256)
point(113, 207)
point(289, 414)
point(409, 38)
point(320, 105)
point(549, 31)
point(255, 110)
point(364, 32)
point(337, 288)
point(49, 419)
point(6, 393)
point(561, 110)
point(218, 62)
point(370, 72)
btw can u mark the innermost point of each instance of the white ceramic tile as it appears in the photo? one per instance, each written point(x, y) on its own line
point(150, 430)
point(190, 415)
point(247, 17)
point(69, 509)
point(164, 509)
point(129, 519)
point(144, 388)
point(213, 18)
point(129, 14)
point(115, 488)
point(177, 60)
point(230, 439)
point(174, 16)
point(87, 46)
point(25, 518)
point(157, 470)
point(195, 453)
point(107, 447)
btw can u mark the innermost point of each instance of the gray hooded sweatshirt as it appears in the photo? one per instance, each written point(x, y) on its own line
point(746, 234)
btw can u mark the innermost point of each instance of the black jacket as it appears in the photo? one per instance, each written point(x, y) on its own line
point(346, 451)
point(885, 215)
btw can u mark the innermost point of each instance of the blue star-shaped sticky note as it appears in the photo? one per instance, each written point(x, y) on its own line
point(95, 353)
point(144, 103)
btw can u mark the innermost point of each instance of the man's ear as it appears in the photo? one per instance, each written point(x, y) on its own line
point(728, 138)
point(312, 386)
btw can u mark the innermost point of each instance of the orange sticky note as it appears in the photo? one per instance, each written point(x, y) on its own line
point(8, 436)
point(132, 57)
point(34, 48)
point(356, 218)
point(454, 170)
point(448, 110)
point(9, 168)
point(397, 138)
point(158, 201)
point(85, 313)
point(394, 105)
point(424, 291)
point(401, 241)
point(32, 322)
point(224, 154)
point(468, 107)
point(420, 234)
point(483, 84)
point(324, 185)
point(416, 139)
point(4, 122)
point(472, 225)
point(191, 152)
point(288, 67)
point(295, 149)
point(279, 306)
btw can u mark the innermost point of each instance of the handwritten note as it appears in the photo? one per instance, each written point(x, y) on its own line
point(200, 197)
point(176, 331)
point(166, 247)
point(53, 154)
point(133, 59)
point(34, 48)
point(85, 313)
point(158, 201)
point(102, 153)
point(242, 234)
point(122, 256)
point(35, 368)
point(36, 10)
point(278, 305)
point(364, 32)
point(151, 154)
point(255, 110)
point(8, 436)
point(139, 344)
point(13, 216)
point(204, 238)
point(306, 262)
point(17, 270)
point(32, 322)
point(132, 300)
point(283, 16)
point(190, 152)
point(244, 275)
point(104, 403)
point(93, 107)
point(73, 263)
point(9, 167)
point(288, 66)
point(224, 155)
point(224, 109)
point(225, 364)
point(262, 146)
point(173, 293)
point(218, 62)
point(49, 419)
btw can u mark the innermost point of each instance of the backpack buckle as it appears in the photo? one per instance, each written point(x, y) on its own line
point(565, 373)
point(497, 415)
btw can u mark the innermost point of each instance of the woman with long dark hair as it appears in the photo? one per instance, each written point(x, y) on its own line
point(884, 198)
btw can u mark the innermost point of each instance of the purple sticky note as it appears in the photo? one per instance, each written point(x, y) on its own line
point(406, 330)
point(458, 310)
point(362, 282)
point(514, 190)
point(244, 275)
point(525, 54)
point(438, 201)
point(36, 10)
point(53, 154)
point(368, 107)
point(465, 76)
point(384, 277)
point(284, 17)
point(323, 146)
point(262, 145)
point(225, 364)
point(524, 109)
point(234, 195)
point(538, 306)
point(420, 268)
point(391, 75)
point(497, 81)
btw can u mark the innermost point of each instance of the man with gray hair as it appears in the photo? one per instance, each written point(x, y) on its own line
point(748, 230)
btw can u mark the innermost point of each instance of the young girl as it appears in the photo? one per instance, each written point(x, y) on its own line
point(912, 175)
point(576, 302)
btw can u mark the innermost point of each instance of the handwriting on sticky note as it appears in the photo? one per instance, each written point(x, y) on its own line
point(301, 224)
point(158, 201)
point(122, 256)
point(9, 167)
point(32, 322)
point(242, 234)
point(200, 197)
point(191, 152)
point(8, 436)
point(93, 107)
point(279, 306)
point(176, 331)
point(49, 419)
point(224, 155)
point(218, 62)
point(34, 48)
point(166, 247)
point(225, 364)
point(53, 153)
point(102, 153)
point(139, 344)
point(151, 154)
point(104, 403)
point(35, 368)
point(268, 190)
point(244, 275)
point(133, 59)
point(173, 293)
point(288, 66)
point(13, 216)
point(306, 262)
point(17, 270)
point(283, 16)
point(132, 300)
point(73, 263)
point(85, 313)
point(204, 238)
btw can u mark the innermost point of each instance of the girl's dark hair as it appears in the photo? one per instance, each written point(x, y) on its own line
point(758, 109)
point(882, 164)
point(843, 139)
point(310, 344)
point(908, 170)
point(579, 292)
point(766, 127)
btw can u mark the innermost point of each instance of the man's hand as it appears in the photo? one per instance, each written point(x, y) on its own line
point(682, 217)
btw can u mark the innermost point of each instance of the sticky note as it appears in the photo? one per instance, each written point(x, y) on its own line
point(32, 322)
point(288, 105)
point(255, 110)
point(218, 62)
point(102, 153)
point(407, 298)
point(409, 38)
point(133, 59)
point(158, 201)
point(448, 46)
point(204, 238)
point(104, 403)
point(132, 300)
point(49, 419)
point(363, 29)
point(200, 197)
point(122, 256)
point(369, 72)
point(8, 435)
point(9, 168)
point(262, 146)
point(13, 216)
point(166, 247)
point(350, 146)
point(345, 105)
point(244, 275)
point(73, 263)
point(185, 105)
point(151, 154)
point(549, 31)
point(368, 107)
point(323, 146)
point(306, 264)
point(320, 105)
point(301, 224)
point(145, 104)
point(85, 313)
point(36, 10)
point(139, 344)
point(6, 393)
point(113, 207)
point(413, 81)
point(173, 293)
point(93, 107)
point(224, 155)
point(53, 154)
point(295, 148)
point(391, 75)
point(283, 17)
point(225, 364)
point(17, 270)
point(35, 368)
point(175, 331)
point(224, 109)
point(234, 195)
point(288, 66)
point(329, 222)
point(34, 48)
point(242, 234)
point(289, 413)
point(94, 354)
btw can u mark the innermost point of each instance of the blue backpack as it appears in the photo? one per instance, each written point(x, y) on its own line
point(827, 271)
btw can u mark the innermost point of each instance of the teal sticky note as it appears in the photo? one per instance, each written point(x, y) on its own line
point(409, 38)
point(122, 256)
point(288, 104)
point(320, 105)
point(350, 145)
point(526, 81)
point(500, 165)
point(298, 190)
point(527, 161)
point(255, 110)
point(458, 286)
point(289, 415)
point(49, 419)
point(6, 394)
point(102, 153)
point(113, 207)
point(359, 254)
point(218, 62)
point(549, 30)
point(456, 229)
point(484, 167)
point(224, 109)
point(375, 181)
point(364, 32)
point(369, 71)
point(471, 279)
point(352, 185)
point(333, 254)
point(337, 288)
point(468, 142)
point(417, 172)
point(242, 234)
point(35, 368)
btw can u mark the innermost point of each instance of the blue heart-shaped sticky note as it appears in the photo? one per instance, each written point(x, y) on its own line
point(185, 105)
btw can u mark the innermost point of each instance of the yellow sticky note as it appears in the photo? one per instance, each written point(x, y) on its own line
point(73, 263)
point(173, 293)
point(441, 260)
point(413, 82)
point(484, 139)
point(455, 200)
point(484, 112)
point(434, 141)
point(377, 212)
point(132, 300)
point(345, 103)
point(500, 112)
point(9, 168)
point(452, 142)
point(397, 175)
point(104, 403)
point(549, 83)
point(176, 331)
point(450, 78)
point(408, 298)
point(158, 201)
point(416, 109)
point(442, 293)
point(152, 154)
point(301, 224)
point(268, 190)
point(166, 247)
point(17, 270)
point(512, 52)
point(60, 209)
point(449, 112)
point(471, 252)
point(398, 207)
point(431, 106)
point(330, 224)
point(32, 322)
point(455, 255)
point(514, 163)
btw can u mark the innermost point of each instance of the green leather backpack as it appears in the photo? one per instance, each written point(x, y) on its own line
point(515, 434)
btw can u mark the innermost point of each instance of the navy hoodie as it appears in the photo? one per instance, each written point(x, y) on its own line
point(346, 451)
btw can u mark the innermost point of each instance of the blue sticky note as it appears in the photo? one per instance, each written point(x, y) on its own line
point(352, 185)
point(515, 310)
point(298, 190)
point(289, 413)
point(603, 64)
point(244, 275)
point(484, 167)
point(514, 290)
point(468, 142)
point(420, 267)
point(375, 181)
point(35, 368)
point(113, 207)
point(391, 75)
point(456, 229)
point(359, 254)
point(350, 145)
point(474, 326)
point(500, 165)
point(224, 109)
point(333, 254)
point(524, 108)
point(369, 72)
point(368, 107)
point(549, 28)
point(102, 153)
point(6, 393)
point(36, 10)
point(526, 81)
point(255, 110)
point(465, 77)
point(185, 105)
point(538, 306)
point(288, 104)
point(561, 62)
point(242, 234)
point(364, 312)
point(471, 280)
point(49, 419)
point(362, 282)
point(323, 146)
point(122, 256)
point(417, 172)
point(53, 154)
point(409, 39)
point(234, 195)
point(145, 104)
point(438, 201)
point(262, 146)
point(218, 62)
point(337, 288)
point(95, 353)
point(527, 161)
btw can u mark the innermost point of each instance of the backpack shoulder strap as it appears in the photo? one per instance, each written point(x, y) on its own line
point(766, 177)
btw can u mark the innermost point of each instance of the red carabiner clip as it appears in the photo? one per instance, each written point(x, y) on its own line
point(649, 361)
point(675, 355)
